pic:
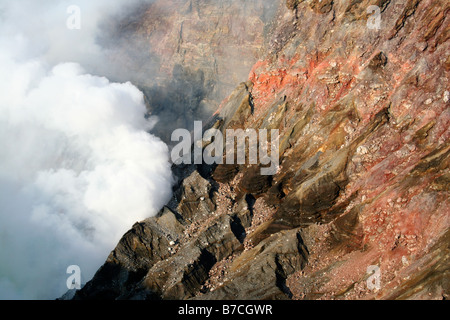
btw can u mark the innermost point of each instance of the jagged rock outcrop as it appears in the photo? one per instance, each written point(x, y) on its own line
point(363, 116)
point(147, 243)
point(261, 272)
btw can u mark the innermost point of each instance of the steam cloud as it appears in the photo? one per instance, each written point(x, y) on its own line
point(77, 164)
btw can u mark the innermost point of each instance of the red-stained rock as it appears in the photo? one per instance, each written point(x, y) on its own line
point(364, 176)
point(393, 208)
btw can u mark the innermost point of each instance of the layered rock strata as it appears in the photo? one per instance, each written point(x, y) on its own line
point(363, 116)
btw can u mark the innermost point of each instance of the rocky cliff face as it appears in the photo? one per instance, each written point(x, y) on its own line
point(188, 55)
point(363, 116)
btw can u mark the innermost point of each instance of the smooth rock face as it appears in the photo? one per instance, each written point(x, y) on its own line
point(364, 178)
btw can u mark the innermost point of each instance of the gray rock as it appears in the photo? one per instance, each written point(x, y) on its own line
point(261, 272)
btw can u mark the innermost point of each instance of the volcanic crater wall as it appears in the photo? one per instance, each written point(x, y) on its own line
point(364, 120)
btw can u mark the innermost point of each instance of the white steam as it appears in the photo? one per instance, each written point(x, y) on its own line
point(77, 166)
